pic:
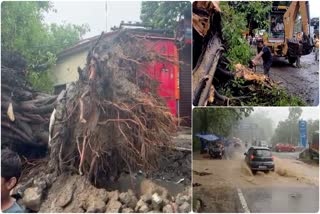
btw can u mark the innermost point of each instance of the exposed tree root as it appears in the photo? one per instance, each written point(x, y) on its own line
point(106, 122)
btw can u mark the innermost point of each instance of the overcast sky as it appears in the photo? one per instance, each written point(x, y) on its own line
point(281, 113)
point(94, 13)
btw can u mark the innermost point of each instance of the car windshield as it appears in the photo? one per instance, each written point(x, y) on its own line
point(262, 153)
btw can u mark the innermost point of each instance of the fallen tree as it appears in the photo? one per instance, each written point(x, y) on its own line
point(105, 123)
point(25, 112)
point(216, 80)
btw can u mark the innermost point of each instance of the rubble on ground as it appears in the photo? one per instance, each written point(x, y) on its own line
point(75, 194)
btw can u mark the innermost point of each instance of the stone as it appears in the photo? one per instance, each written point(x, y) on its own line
point(139, 204)
point(41, 183)
point(144, 209)
point(96, 206)
point(65, 196)
point(130, 192)
point(166, 201)
point(114, 195)
point(147, 198)
point(180, 199)
point(185, 208)
point(167, 209)
point(113, 206)
point(127, 210)
point(133, 202)
point(103, 194)
point(125, 198)
point(157, 201)
point(32, 198)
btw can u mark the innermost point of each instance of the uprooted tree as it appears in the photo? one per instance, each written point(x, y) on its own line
point(25, 112)
point(219, 80)
point(105, 122)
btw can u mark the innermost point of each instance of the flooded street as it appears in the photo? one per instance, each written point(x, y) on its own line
point(302, 82)
point(231, 187)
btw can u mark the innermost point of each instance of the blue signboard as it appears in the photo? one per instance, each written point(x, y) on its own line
point(303, 132)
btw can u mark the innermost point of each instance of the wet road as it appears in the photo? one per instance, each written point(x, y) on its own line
point(302, 82)
point(303, 199)
point(287, 155)
point(231, 187)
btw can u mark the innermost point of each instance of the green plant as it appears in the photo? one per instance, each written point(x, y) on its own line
point(23, 30)
point(164, 14)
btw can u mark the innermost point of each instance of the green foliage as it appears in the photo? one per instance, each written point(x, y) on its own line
point(250, 95)
point(235, 22)
point(312, 127)
point(216, 120)
point(233, 25)
point(256, 11)
point(23, 30)
point(41, 81)
point(287, 131)
point(164, 14)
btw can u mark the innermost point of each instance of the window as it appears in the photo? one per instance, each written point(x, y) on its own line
point(262, 153)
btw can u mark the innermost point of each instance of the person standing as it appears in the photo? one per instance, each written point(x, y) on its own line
point(266, 55)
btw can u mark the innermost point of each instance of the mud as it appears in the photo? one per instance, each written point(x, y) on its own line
point(302, 82)
point(298, 170)
point(229, 174)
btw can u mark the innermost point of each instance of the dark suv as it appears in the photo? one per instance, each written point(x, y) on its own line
point(259, 159)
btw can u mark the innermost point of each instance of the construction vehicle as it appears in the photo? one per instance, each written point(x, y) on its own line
point(289, 33)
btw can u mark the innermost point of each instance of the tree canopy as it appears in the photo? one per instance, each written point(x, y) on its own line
point(164, 14)
point(24, 31)
point(217, 120)
point(287, 131)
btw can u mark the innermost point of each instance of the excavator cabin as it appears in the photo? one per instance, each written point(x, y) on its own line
point(288, 33)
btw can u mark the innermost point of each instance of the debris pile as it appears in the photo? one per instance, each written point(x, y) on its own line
point(25, 112)
point(76, 194)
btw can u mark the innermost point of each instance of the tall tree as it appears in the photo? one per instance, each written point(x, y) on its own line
point(312, 127)
point(23, 30)
point(287, 131)
point(217, 120)
point(164, 14)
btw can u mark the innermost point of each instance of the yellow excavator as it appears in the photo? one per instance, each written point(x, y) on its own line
point(288, 34)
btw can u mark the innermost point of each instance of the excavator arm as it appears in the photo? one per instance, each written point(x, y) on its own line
point(289, 24)
point(291, 15)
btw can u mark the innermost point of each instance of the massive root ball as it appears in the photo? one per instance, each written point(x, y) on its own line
point(106, 122)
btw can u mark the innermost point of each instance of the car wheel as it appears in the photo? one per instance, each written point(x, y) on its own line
point(273, 169)
point(254, 171)
point(266, 171)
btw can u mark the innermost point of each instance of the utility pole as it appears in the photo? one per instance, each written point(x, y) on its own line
point(106, 8)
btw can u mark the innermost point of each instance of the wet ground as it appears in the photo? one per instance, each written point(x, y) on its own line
point(302, 82)
point(287, 155)
point(293, 187)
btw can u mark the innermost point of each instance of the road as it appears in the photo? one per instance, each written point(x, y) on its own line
point(302, 82)
point(231, 187)
point(287, 155)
